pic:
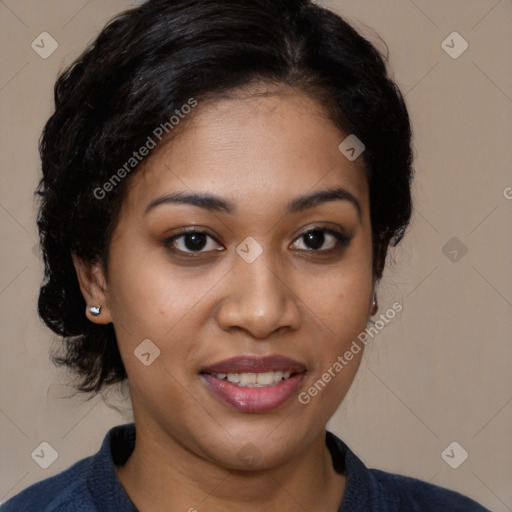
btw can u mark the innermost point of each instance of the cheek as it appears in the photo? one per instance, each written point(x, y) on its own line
point(148, 297)
point(340, 303)
point(339, 350)
point(340, 300)
point(151, 300)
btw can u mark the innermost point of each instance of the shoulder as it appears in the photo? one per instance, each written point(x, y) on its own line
point(376, 490)
point(65, 491)
point(89, 485)
point(407, 493)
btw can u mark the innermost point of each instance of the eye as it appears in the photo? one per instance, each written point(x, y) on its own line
point(192, 242)
point(321, 239)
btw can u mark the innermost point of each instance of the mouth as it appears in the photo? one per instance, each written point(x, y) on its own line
point(254, 380)
point(254, 384)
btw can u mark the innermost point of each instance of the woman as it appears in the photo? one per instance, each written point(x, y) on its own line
point(221, 183)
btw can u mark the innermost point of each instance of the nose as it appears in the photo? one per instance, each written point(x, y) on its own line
point(259, 301)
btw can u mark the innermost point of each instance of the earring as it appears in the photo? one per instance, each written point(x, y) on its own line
point(375, 306)
point(95, 310)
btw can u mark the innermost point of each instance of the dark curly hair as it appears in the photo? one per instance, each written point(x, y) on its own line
point(148, 62)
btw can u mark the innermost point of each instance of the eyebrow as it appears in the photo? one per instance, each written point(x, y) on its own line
point(214, 203)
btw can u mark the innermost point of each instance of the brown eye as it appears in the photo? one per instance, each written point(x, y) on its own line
point(314, 239)
point(195, 241)
point(192, 242)
point(320, 240)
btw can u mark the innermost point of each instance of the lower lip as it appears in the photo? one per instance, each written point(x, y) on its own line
point(253, 399)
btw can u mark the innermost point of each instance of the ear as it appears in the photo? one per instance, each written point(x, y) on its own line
point(93, 285)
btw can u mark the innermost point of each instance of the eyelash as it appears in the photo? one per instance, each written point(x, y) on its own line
point(341, 241)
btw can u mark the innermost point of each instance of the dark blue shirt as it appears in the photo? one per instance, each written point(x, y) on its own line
point(92, 485)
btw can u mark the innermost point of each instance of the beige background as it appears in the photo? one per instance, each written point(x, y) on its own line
point(440, 372)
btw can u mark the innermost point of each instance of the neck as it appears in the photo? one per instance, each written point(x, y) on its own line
point(162, 473)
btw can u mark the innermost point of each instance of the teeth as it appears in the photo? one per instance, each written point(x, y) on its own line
point(262, 378)
point(254, 380)
point(232, 377)
point(279, 375)
point(247, 378)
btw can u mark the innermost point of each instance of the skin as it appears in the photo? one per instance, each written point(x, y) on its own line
point(259, 153)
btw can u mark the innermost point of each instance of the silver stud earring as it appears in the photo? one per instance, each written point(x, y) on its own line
point(95, 310)
point(374, 307)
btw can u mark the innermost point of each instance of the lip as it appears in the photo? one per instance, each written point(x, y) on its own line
point(255, 364)
point(256, 399)
point(253, 400)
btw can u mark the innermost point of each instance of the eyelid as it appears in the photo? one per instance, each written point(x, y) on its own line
point(342, 238)
point(333, 229)
point(185, 231)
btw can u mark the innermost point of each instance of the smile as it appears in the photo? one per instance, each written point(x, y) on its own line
point(254, 380)
point(254, 384)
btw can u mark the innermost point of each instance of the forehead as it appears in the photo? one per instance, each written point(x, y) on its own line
point(265, 148)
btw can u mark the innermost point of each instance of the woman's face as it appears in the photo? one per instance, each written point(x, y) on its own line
point(274, 271)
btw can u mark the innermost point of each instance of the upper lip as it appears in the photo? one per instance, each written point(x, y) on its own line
point(255, 364)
